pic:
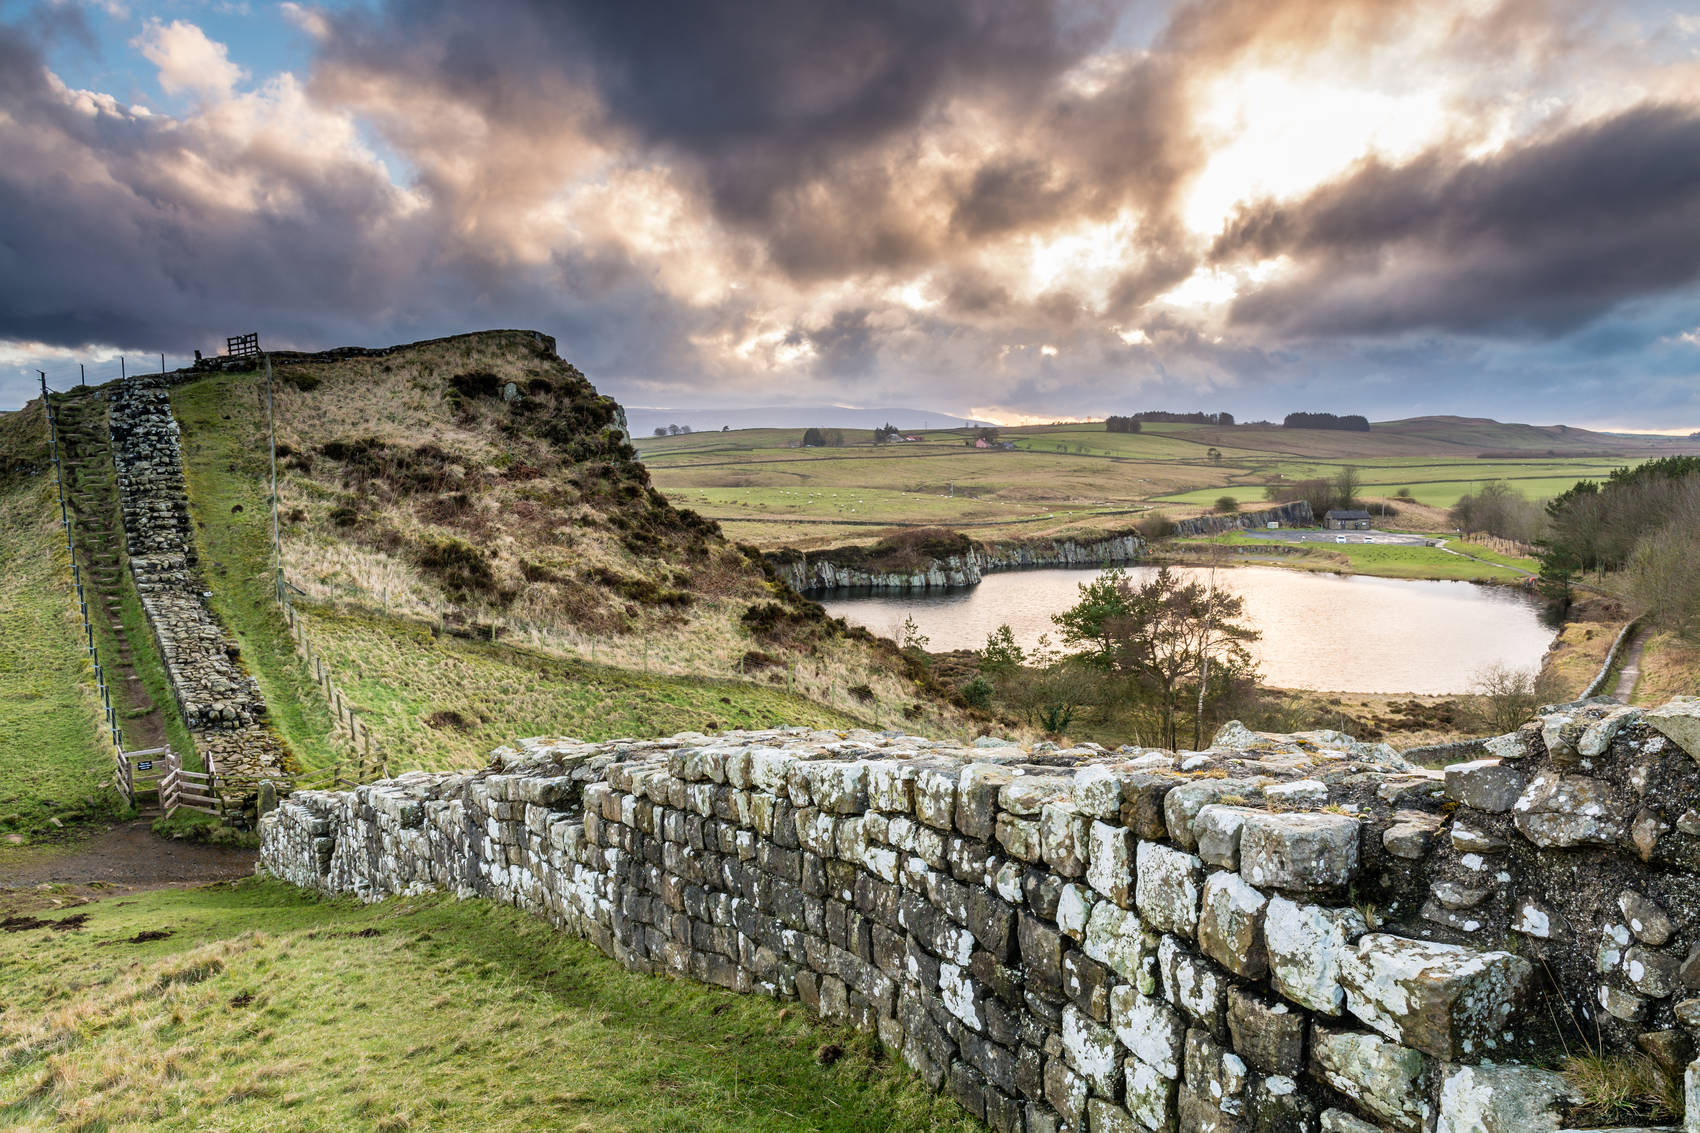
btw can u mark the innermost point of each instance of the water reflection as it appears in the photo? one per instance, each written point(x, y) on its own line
point(1347, 633)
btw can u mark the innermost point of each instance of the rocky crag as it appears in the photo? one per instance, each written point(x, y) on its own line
point(1296, 514)
point(1280, 933)
point(220, 702)
point(846, 569)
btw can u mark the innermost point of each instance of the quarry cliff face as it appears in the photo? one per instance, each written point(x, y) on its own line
point(830, 570)
point(1280, 933)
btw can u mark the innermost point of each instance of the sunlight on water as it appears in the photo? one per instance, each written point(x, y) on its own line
point(1320, 631)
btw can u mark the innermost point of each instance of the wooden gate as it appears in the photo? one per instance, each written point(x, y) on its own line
point(196, 790)
point(143, 771)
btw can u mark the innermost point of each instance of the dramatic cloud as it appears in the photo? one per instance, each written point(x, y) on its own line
point(1054, 207)
point(1542, 238)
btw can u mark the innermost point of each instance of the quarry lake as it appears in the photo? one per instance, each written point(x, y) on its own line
point(1344, 633)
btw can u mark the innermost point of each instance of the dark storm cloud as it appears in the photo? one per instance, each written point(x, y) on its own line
point(1542, 237)
point(802, 124)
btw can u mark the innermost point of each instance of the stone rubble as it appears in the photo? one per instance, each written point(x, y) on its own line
point(1081, 940)
point(220, 701)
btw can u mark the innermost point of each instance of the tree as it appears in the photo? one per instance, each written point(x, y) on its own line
point(1346, 487)
point(812, 439)
point(1506, 697)
point(1002, 655)
point(1559, 571)
point(1165, 634)
point(1227, 505)
point(661, 430)
point(1215, 455)
point(673, 430)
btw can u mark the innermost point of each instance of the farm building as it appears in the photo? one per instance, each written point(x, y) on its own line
point(1346, 519)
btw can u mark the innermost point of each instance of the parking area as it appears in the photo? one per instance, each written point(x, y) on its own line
point(1372, 536)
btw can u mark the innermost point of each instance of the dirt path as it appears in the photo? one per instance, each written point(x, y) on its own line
point(126, 857)
point(1631, 671)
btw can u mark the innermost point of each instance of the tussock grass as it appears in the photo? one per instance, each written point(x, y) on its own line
point(1622, 1088)
point(268, 1008)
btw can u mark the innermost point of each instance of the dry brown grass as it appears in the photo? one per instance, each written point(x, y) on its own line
point(1669, 667)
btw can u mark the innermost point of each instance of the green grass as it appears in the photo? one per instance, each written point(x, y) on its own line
point(442, 702)
point(55, 761)
point(1078, 478)
point(1379, 559)
point(226, 466)
point(269, 1008)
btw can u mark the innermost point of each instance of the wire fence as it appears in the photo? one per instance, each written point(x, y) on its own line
point(114, 730)
point(370, 761)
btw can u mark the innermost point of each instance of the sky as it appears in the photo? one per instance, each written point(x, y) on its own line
point(1006, 209)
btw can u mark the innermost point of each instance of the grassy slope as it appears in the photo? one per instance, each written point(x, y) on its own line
point(54, 759)
point(267, 1008)
point(1379, 559)
point(225, 464)
point(398, 676)
point(1669, 667)
point(407, 683)
point(1079, 477)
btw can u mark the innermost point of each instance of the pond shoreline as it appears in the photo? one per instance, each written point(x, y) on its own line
point(1322, 631)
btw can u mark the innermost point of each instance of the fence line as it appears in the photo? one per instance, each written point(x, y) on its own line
point(370, 760)
point(114, 731)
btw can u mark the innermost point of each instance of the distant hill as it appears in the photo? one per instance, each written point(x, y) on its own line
point(645, 421)
point(1448, 436)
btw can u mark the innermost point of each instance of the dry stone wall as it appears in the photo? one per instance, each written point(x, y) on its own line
point(1282, 933)
point(220, 701)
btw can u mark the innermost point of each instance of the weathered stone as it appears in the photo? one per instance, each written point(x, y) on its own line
point(1650, 924)
point(1216, 832)
point(1503, 1099)
point(1064, 838)
point(1339, 1121)
point(1484, 784)
point(1041, 950)
point(1388, 1080)
point(1019, 837)
point(1468, 838)
point(1150, 1028)
point(1597, 737)
point(1092, 1051)
point(1300, 794)
point(1117, 937)
point(1109, 869)
point(1168, 890)
point(1107, 1117)
point(1299, 852)
point(1182, 804)
point(1150, 1094)
point(1679, 722)
point(1216, 1076)
point(1305, 945)
point(1087, 983)
point(1193, 984)
point(1569, 810)
point(977, 790)
point(1074, 910)
point(1230, 925)
point(1411, 835)
point(1269, 1036)
point(1443, 1000)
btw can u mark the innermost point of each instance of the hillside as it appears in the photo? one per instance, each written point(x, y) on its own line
point(475, 555)
point(1079, 478)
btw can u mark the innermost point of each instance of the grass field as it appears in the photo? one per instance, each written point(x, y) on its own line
point(1068, 478)
point(224, 465)
point(1669, 667)
point(1379, 559)
point(259, 1006)
point(439, 702)
point(54, 760)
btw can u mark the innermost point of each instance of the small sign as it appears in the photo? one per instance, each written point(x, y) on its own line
point(144, 765)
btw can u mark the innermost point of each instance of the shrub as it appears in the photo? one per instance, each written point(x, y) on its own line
point(1155, 527)
point(977, 693)
point(1227, 505)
